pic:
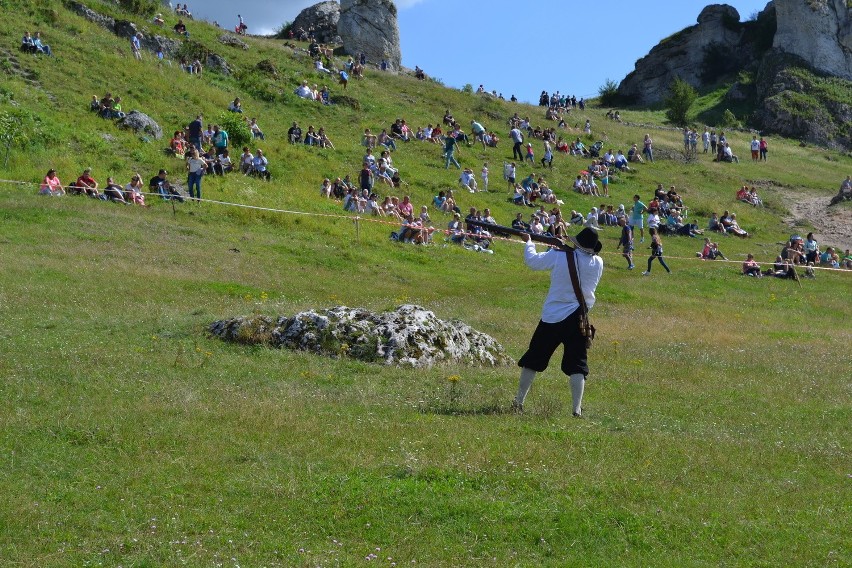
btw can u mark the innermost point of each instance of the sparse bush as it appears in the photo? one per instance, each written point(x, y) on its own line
point(608, 93)
point(283, 30)
point(468, 88)
point(681, 97)
point(729, 119)
point(235, 125)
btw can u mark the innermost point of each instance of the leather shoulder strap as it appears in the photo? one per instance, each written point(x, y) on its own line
point(575, 280)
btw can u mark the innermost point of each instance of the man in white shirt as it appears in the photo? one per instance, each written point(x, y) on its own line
point(560, 317)
point(517, 139)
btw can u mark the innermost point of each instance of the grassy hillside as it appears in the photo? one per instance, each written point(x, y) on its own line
point(717, 407)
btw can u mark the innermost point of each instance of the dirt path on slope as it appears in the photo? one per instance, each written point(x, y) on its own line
point(832, 225)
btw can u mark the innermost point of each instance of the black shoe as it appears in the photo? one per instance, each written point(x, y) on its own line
point(517, 408)
point(577, 415)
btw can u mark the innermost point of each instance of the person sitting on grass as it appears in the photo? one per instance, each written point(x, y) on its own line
point(455, 229)
point(114, 192)
point(450, 205)
point(40, 47)
point(116, 109)
point(85, 184)
point(753, 198)
point(180, 28)
point(385, 140)
point(323, 141)
point(751, 267)
point(28, 44)
point(160, 184)
point(468, 180)
point(158, 20)
point(224, 163)
point(729, 221)
point(259, 166)
point(634, 155)
point(178, 145)
point(51, 185)
point(830, 258)
point(236, 105)
point(783, 268)
point(245, 161)
point(410, 227)
point(369, 139)
point(211, 161)
point(711, 251)
point(304, 91)
point(133, 191)
point(294, 133)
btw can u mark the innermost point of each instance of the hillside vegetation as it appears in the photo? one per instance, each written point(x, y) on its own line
point(716, 411)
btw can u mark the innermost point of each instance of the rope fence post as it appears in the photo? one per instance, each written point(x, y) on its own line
point(357, 229)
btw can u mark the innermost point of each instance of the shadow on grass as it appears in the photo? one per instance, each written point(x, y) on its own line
point(545, 407)
point(473, 410)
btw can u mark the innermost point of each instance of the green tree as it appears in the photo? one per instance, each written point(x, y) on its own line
point(680, 99)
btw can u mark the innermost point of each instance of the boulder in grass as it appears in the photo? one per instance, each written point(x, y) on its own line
point(233, 41)
point(409, 336)
point(141, 123)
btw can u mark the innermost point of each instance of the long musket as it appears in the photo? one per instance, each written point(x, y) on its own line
point(495, 229)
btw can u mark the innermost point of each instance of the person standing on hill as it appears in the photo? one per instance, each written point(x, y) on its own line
point(764, 148)
point(195, 131)
point(195, 167)
point(517, 139)
point(450, 146)
point(626, 241)
point(647, 148)
point(220, 138)
point(636, 217)
point(560, 316)
point(136, 45)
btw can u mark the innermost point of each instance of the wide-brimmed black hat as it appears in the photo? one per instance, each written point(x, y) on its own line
point(587, 241)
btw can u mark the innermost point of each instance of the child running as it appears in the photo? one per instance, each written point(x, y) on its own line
point(530, 155)
point(626, 241)
point(656, 252)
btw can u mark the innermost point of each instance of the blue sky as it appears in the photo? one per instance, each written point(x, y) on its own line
point(514, 47)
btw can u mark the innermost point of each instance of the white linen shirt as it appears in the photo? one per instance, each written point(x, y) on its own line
point(561, 301)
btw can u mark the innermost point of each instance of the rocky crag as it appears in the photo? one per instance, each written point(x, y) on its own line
point(363, 26)
point(370, 27)
point(794, 63)
point(321, 18)
point(410, 336)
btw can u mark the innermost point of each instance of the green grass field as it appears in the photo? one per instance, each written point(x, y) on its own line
point(717, 415)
